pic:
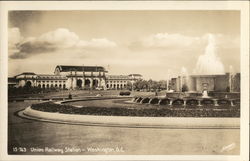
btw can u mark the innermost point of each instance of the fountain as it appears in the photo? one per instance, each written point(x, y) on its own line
point(205, 94)
point(186, 93)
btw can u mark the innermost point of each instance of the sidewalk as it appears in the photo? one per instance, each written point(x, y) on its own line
point(125, 121)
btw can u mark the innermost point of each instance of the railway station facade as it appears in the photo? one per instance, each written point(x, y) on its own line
point(74, 77)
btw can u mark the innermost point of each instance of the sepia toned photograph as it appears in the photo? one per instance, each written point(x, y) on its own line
point(124, 82)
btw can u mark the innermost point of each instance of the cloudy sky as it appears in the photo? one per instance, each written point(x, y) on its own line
point(156, 44)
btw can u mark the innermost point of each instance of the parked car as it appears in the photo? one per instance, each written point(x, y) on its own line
point(124, 93)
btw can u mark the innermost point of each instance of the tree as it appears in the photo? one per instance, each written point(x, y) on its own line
point(150, 84)
point(129, 86)
point(163, 84)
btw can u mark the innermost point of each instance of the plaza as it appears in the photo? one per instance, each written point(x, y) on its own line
point(156, 141)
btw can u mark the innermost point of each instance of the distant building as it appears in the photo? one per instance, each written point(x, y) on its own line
point(82, 76)
point(135, 76)
point(50, 81)
point(73, 77)
point(30, 79)
point(199, 83)
point(121, 81)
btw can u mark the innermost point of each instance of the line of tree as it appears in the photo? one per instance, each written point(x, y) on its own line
point(148, 85)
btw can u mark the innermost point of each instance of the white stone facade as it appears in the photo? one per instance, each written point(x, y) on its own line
point(121, 81)
point(83, 77)
point(75, 77)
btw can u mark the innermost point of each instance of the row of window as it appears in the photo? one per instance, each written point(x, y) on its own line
point(51, 86)
point(51, 78)
point(116, 81)
point(118, 78)
point(43, 77)
point(116, 86)
point(50, 81)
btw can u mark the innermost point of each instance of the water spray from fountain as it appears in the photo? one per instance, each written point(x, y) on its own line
point(209, 62)
point(231, 76)
point(185, 78)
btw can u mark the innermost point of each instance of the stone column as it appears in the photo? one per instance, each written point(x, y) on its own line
point(74, 83)
point(83, 79)
point(91, 82)
point(71, 80)
point(83, 83)
point(100, 82)
point(105, 84)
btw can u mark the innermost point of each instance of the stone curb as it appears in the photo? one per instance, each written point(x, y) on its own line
point(126, 121)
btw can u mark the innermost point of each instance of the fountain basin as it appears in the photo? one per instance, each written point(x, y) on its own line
point(188, 101)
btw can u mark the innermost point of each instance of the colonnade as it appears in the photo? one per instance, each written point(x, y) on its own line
point(89, 82)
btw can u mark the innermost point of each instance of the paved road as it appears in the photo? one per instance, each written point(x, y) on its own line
point(36, 137)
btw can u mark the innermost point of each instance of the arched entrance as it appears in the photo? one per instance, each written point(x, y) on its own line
point(79, 83)
point(87, 83)
point(95, 83)
point(28, 84)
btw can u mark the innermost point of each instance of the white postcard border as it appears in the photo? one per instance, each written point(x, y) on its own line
point(129, 5)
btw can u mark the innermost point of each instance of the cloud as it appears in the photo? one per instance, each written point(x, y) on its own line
point(96, 43)
point(164, 40)
point(59, 39)
point(14, 40)
point(14, 36)
point(178, 41)
point(168, 40)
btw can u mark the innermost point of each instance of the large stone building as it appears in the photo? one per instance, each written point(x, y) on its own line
point(74, 77)
point(199, 83)
point(82, 76)
point(38, 80)
point(121, 81)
